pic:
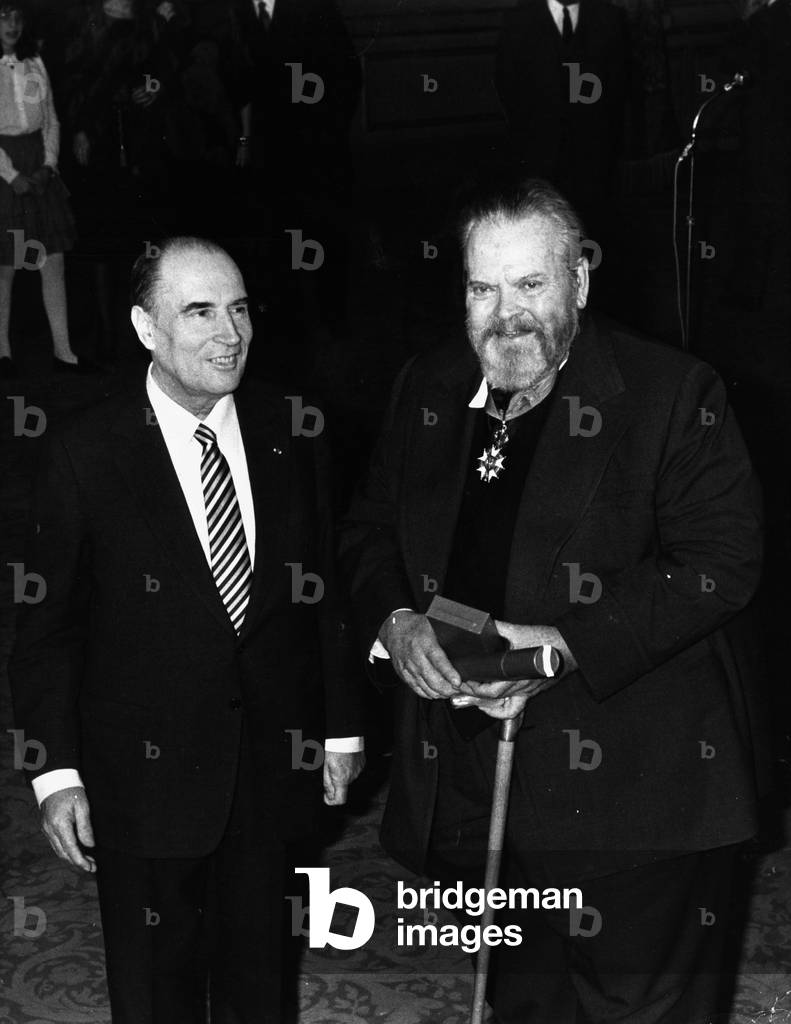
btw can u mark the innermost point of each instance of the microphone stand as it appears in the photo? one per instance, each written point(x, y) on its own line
point(689, 152)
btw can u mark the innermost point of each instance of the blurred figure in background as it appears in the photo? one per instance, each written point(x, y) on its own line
point(35, 217)
point(301, 77)
point(121, 73)
point(562, 72)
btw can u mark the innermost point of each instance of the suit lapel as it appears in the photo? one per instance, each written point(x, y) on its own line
point(268, 450)
point(143, 460)
point(437, 469)
point(568, 464)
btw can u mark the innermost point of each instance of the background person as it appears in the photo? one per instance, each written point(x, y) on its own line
point(34, 206)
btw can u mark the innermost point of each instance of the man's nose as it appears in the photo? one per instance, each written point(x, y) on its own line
point(228, 330)
point(510, 302)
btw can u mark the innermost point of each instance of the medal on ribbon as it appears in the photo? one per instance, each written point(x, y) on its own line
point(492, 461)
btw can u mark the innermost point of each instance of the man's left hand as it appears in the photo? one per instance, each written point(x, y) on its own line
point(143, 96)
point(340, 770)
point(504, 698)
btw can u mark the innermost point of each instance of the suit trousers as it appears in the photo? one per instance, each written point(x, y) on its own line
point(180, 933)
point(645, 948)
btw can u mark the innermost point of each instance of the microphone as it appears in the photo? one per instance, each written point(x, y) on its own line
point(544, 662)
point(739, 81)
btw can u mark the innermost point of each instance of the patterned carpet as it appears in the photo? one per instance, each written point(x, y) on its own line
point(51, 957)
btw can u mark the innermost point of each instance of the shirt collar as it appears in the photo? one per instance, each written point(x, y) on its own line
point(521, 402)
point(179, 424)
point(556, 10)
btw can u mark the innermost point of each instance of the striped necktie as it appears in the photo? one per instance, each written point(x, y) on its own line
point(230, 559)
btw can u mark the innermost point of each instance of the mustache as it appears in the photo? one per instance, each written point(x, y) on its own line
point(520, 324)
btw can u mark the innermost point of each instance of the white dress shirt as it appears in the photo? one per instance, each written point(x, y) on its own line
point(556, 10)
point(178, 427)
point(26, 106)
point(269, 4)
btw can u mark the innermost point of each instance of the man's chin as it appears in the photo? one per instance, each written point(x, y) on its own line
point(511, 377)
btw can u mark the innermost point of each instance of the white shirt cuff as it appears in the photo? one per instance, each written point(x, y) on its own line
point(345, 745)
point(378, 651)
point(51, 782)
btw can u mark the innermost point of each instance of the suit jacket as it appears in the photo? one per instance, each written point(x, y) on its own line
point(659, 504)
point(130, 670)
point(573, 143)
point(311, 33)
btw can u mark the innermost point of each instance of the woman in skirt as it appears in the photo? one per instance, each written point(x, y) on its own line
point(36, 223)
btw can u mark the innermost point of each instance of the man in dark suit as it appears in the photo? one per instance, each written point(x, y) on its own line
point(304, 81)
point(591, 491)
point(300, 79)
point(562, 80)
point(187, 649)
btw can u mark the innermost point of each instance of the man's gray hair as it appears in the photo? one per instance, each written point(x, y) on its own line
point(514, 199)
point(146, 273)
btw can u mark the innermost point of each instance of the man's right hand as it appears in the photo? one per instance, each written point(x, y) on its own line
point(22, 185)
point(417, 657)
point(65, 818)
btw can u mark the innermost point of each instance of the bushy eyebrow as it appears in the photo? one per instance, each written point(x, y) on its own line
point(192, 307)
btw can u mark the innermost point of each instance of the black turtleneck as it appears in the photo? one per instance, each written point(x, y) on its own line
point(479, 557)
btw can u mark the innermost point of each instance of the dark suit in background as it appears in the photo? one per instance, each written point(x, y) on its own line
point(555, 133)
point(303, 79)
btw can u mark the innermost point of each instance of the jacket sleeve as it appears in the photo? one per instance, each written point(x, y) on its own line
point(50, 126)
point(707, 510)
point(370, 552)
point(343, 697)
point(47, 662)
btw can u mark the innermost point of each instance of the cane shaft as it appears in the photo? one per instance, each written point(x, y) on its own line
point(502, 785)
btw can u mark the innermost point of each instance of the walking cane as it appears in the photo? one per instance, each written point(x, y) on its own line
point(509, 729)
point(477, 651)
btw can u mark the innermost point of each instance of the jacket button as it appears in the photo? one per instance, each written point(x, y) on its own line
point(235, 703)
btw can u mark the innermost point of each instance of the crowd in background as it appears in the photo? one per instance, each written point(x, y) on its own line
point(230, 118)
point(225, 119)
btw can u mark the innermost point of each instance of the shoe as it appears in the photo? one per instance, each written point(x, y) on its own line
point(82, 366)
point(8, 368)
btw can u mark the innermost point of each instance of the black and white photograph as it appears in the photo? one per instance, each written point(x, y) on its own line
point(395, 511)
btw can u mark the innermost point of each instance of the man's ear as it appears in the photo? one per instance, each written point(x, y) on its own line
point(144, 326)
point(582, 274)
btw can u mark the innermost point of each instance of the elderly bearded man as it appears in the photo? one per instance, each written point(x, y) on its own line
point(174, 661)
point(617, 520)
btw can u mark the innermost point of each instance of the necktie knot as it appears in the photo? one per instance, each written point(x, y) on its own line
point(205, 436)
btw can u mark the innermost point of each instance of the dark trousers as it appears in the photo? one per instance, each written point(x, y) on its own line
point(180, 931)
point(646, 949)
